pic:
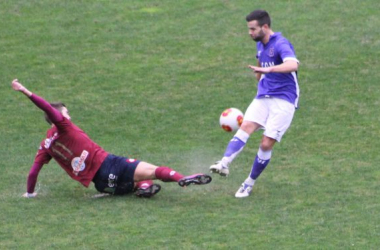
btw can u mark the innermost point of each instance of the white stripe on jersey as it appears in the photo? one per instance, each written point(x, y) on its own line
point(295, 79)
point(294, 74)
point(290, 59)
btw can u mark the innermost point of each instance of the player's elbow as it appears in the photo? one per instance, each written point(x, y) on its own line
point(292, 66)
point(32, 175)
point(295, 67)
point(258, 76)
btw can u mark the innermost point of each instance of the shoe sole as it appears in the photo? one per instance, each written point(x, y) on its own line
point(201, 179)
point(241, 196)
point(217, 171)
point(148, 192)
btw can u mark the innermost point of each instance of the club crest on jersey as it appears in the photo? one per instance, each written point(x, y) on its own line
point(48, 141)
point(78, 164)
point(271, 52)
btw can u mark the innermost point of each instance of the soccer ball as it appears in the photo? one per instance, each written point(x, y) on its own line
point(231, 119)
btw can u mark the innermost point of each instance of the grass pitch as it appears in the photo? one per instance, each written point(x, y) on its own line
point(148, 79)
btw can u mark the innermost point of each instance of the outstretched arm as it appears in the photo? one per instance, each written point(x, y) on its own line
point(258, 74)
point(32, 180)
point(285, 67)
point(19, 87)
point(53, 114)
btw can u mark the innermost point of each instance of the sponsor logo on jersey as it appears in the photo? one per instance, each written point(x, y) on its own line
point(267, 64)
point(78, 164)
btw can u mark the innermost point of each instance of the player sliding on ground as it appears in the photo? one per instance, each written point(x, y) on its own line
point(85, 161)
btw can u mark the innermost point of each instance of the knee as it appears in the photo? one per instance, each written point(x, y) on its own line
point(248, 127)
point(265, 147)
point(267, 143)
point(145, 171)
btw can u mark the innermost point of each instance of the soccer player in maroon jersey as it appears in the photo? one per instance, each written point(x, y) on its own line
point(85, 161)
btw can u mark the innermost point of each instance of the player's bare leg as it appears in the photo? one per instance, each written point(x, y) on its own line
point(147, 171)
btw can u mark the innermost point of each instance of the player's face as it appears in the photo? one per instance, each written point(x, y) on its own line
point(255, 31)
point(65, 113)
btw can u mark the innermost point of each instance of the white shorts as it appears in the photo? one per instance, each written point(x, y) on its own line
point(273, 114)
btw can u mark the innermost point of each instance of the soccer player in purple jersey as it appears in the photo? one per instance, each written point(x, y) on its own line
point(86, 162)
point(276, 100)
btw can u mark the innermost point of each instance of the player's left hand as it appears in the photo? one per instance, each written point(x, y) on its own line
point(260, 69)
point(17, 86)
point(29, 195)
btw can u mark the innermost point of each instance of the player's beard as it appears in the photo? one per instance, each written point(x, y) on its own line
point(259, 37)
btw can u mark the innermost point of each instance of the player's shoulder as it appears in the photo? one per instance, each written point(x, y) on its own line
point(282, 43)
point(65, 121)
point(64, 124)
point(280, 39)
point(51, 131)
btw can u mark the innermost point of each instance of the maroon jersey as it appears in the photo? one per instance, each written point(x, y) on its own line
point(73, 150)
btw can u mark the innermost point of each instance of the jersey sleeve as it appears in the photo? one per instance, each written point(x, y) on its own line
point(32, 177)
point(42, 155)
point(41, 158)
point(286, 50)
point(54, 115)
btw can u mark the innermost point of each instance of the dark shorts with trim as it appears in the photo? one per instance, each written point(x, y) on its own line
point(115, 175)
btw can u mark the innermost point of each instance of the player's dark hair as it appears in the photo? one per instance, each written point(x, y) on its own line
point(261, 16)
point(58, 106)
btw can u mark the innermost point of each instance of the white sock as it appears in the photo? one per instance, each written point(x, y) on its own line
point(241, 137)
point(264, 155)
point(249, 181)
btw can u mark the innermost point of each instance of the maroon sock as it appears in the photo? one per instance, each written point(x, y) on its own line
point(144, 184)
point(167, 174)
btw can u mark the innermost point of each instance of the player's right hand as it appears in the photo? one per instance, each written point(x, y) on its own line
point(29, 195)
point(17, 86)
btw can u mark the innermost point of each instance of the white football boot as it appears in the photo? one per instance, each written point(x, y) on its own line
point(244, 191)
point(219, 168)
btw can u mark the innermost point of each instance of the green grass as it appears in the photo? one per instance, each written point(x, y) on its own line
point(148, 79)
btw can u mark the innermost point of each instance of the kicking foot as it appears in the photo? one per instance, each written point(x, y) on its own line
point(149, 191)
point(244, 191)
point(197, 179)
point(220, 169)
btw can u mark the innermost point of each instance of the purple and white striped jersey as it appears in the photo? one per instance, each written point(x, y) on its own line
point(280, 85)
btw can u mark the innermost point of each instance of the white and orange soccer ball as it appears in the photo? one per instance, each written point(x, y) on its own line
point(231, 119)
